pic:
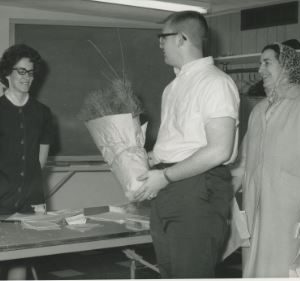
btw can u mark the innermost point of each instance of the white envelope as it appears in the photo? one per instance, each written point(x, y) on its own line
point(239, 234)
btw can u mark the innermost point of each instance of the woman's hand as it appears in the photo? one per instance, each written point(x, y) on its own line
point(236, 183)
point(154, 181)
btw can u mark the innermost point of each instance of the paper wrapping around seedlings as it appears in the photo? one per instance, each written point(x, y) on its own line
point(127, 166)
point(121, 139)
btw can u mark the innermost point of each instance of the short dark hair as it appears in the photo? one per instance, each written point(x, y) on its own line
point(192, 23)
point(274, 47)
point(13, 55)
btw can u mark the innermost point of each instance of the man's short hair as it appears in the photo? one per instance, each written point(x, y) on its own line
point(192, 23)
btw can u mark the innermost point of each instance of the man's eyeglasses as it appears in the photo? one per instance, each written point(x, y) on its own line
point(23, 71)
point(164, 35)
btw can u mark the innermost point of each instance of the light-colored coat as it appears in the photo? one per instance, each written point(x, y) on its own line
point(271, 186)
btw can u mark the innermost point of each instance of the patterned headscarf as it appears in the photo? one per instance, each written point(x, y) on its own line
point(289, 59)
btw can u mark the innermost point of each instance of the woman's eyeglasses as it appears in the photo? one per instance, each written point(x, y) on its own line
point(23, 71)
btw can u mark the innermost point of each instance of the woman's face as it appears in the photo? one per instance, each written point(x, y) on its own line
point(270, 69)
point(21, 76)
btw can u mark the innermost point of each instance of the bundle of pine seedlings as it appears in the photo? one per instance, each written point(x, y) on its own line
point(118, 98)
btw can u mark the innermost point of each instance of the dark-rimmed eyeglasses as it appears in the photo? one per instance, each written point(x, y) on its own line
point(164, 35)
point(23, 71)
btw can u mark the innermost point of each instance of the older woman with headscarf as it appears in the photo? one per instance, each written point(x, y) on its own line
point(269, 167)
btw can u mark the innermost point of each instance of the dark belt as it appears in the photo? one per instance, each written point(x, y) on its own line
point(161, 166)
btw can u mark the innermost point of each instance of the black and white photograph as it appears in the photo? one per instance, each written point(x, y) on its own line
point(149, 139)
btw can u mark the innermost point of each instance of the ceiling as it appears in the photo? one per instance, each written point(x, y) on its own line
point(86, 7)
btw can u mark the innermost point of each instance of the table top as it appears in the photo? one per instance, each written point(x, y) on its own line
point(17, 242)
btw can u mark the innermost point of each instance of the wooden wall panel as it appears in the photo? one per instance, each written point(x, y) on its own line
point(281, 33)
point(262, 39)
point(235, 34)
point(249, 41)
point(293, 31)
point(210, 35)
point(271, 35)
point(228, 39)
point(213, 36)
point(223, 28)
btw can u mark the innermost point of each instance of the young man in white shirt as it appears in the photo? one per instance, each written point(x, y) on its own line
point(189, 184)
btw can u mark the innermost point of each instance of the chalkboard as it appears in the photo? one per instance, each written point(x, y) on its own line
point(74, 69)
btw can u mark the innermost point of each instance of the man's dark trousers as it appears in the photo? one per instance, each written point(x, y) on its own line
point(189, 224)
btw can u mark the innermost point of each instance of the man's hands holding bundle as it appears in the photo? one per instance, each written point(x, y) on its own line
point(154, 181)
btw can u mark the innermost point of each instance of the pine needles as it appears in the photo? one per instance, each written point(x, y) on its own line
point(118, 98)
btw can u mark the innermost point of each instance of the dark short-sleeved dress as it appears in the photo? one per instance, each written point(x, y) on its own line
point(22, 130)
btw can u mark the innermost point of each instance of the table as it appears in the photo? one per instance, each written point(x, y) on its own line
point(16, 242)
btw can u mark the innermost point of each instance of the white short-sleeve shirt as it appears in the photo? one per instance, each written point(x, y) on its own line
point(199, 92)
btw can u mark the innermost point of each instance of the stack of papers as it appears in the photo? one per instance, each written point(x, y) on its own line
point(83, 227)
point(37, 221)
point(36, 217)
point(78, 222)
point(77, 219)
point(128, 215)
point(131, 221)
point(40, 221)
point(109, 216)
point(135, 223)
point(40, 225)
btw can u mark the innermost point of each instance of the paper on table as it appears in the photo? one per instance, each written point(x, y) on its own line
point(83, 227)
point(66, 212)
point(78, 219)
point(36, 217)
point(133, 208)
point(50, 220)
point(137, 224)
point(134, 222)
point(40, 208)
point(40, 225)
point(113, 217)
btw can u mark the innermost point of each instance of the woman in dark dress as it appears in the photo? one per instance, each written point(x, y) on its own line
point(25, 133)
